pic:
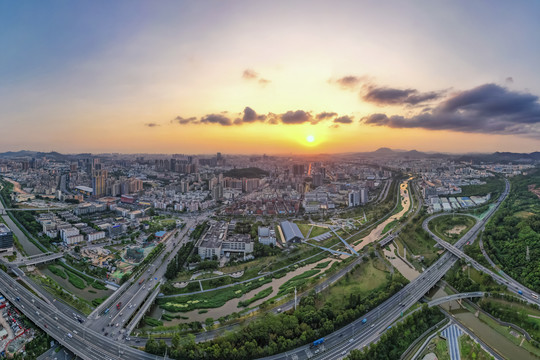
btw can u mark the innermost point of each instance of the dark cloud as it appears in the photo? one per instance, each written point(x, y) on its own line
point(488, 108)
point(326, 115)
point(509, 80)
point(216, 119)
point(350, 81)
point(151, 124)
point(251, 116)
point(249, 74)
point(296, 117)
point(392, 96)
point(344, 120)
point(182, 121)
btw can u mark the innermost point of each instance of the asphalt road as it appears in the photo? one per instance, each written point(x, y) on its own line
point(361, 333)
point(134, 296)
point(82, 341)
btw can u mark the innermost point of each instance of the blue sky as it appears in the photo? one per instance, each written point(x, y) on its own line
point(114, 76)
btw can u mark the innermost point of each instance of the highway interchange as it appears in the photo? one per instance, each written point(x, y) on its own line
point(88, 340)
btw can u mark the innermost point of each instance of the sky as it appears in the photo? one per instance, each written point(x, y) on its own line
point(263, 77)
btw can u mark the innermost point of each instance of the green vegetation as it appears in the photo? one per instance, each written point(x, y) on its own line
point(322, 265)
point(389, 226)
point(260, 295)
point(298, 281)
point(494, 185)
point(417, 240)
point(451, 227)
point(361, 281)
point(75, 280)
point(440, 349)
point(508, 234)
point(37, 346)
point(152, 322)
point(304, 228)
point(57, 291)
point(177, 264)
point(317, 230)
point(199, 230)
point(515, 311)
point(398, 338)
point(209, 299)
point(458, 277)
point(56, 271)
point(79, 274)
point(314, 318)
point(471, 350)
point(251, 172)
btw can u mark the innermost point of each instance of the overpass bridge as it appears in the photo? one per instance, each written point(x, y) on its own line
point(512, 285)
point(442, 300)
point(146, 306)
point(351, 249)
point(38, 259)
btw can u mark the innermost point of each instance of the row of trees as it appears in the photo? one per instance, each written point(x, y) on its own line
point(177, 264)
point(273, 333)
point(512, 236)
point(398, 338)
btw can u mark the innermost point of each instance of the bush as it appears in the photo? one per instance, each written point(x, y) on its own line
point(56, 271)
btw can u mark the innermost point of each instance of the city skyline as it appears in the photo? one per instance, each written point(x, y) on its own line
point(240, 77)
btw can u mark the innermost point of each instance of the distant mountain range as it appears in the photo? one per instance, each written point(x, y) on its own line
point(475, 157)
point(382, 152)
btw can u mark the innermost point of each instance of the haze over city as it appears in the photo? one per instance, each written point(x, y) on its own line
point(261, 77)
point(279, 180)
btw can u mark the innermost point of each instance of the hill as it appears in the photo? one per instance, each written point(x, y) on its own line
point(251, 172)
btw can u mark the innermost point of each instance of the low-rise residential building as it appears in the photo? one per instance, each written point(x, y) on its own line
point(267, 236)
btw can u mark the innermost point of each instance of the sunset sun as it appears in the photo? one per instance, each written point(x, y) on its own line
point(310, 138)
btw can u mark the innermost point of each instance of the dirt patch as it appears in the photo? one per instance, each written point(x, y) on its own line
point(456, 230)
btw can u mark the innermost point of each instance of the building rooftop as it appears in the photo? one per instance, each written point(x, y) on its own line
point(291, 231)
point(4, 229)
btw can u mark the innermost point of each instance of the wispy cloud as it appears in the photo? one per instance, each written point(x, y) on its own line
point(250, 74)
point(151, 124)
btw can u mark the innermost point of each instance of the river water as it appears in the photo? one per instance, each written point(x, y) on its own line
point(232, 305)
point(376, 233)
point(405, 270)
point(492, 338)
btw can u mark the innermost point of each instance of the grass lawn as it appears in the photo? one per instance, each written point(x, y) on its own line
point(420, 244)
point(317, 230)
point(368, 276)
point(389, 226)
point(451, 227)
point(470, 350)
point(304, 228)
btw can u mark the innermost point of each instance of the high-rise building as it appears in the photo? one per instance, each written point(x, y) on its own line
point(99, 180)
point(364, 195)
point(317, 179)
point(354, 198)
point(6, 239)
point(298, 170)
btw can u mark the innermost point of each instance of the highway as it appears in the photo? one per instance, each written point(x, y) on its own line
point(358, 334)
point(85, 343)
point(87, 340)
point(135, 295)
point(512, 285)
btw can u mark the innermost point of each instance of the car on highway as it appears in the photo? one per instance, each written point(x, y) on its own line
point(69, 335)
